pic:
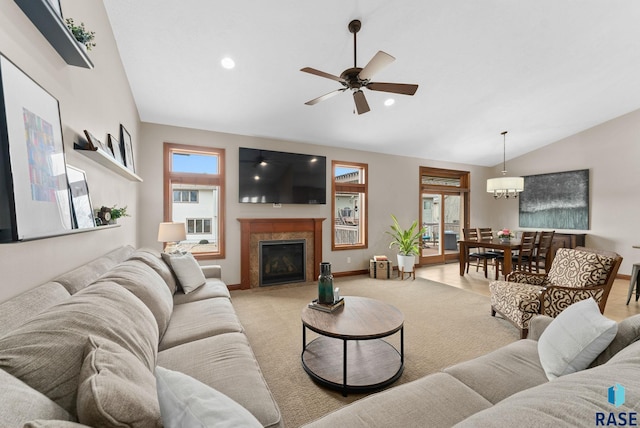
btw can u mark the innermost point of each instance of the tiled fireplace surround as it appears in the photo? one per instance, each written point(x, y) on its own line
point(254, 230)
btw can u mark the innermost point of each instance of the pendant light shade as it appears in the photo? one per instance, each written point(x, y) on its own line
point(507, 187)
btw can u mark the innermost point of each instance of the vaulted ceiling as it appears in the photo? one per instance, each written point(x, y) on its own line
point(542, 70)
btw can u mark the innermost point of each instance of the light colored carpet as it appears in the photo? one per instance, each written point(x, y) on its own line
point(443, 325)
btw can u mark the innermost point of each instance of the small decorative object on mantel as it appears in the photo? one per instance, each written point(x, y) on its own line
point(325, 284)
point(505, 235)
point(81, 34)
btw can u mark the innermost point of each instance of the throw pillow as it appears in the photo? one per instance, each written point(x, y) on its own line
point(574, 339)
point(187, 402)
point(186, 269)
point(628, 332)
point(115, 388)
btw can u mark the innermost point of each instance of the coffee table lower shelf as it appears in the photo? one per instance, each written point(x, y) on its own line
point(370, 364)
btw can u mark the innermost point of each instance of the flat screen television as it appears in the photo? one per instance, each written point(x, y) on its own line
point(268, 177)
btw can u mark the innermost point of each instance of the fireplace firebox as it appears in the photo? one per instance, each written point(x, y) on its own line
point(282, 261)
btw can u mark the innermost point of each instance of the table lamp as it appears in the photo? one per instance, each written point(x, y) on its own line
point(172, 233)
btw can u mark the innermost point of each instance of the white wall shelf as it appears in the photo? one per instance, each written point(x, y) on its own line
point(50, 24)
point(71, 232)
point(109, 162)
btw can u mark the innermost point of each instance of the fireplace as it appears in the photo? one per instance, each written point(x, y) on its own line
point(282, 261)
point(254, 230)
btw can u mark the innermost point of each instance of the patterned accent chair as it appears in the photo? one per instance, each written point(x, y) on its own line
point(574, 275)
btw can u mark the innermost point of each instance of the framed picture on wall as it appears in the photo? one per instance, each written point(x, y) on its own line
point(127, 148)
point(55, 5)
point(97, 144)
point(114, 145)
point(34, 195)
point(80, 201)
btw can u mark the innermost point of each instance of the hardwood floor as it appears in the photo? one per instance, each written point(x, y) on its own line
point(449, 274)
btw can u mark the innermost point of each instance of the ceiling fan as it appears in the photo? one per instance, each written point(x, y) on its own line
point(357, 78)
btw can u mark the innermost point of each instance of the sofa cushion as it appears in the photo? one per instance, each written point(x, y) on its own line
point(187, 402)
point(154, 260)
point(200, 319)
point(575, 338)
point(115, 388)
point(575, 268)
point(213, 287)
point(437, 400)
point(186, 269)
point(145, 284)
point(568, 401)
point(81, 277)
point(21, 403)
point(226, 362)
point(492, 375)
point(20, 309)
point(628, 333)
point(46, 352)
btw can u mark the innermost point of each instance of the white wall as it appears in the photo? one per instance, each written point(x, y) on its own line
point(97, 100)
point(393, 189)
point(611, 152)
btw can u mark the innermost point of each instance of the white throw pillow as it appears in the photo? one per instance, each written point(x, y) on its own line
point(187, 270)
point(187, 402)
point(575, 338)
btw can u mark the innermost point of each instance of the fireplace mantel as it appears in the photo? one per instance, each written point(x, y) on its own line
point(249, 226)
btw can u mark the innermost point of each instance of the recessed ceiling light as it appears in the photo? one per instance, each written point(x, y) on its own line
point(389, 102)
point(228, 63)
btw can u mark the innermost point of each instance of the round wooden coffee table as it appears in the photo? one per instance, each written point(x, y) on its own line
point(355, 331)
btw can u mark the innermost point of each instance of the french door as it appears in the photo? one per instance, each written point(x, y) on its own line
point(444, 212)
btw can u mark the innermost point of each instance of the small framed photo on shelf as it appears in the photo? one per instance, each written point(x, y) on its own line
point(80, 201)
point(116, 149)
point(96, 144)
point(127, 148)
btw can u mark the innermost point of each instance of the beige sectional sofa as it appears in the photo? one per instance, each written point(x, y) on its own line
point(509, 388)
point(77, 348)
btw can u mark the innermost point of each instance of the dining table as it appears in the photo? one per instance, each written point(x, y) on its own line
point(507, 246)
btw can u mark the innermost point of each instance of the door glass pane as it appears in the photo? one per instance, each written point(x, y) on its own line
point(452, 216)
point(431, 223)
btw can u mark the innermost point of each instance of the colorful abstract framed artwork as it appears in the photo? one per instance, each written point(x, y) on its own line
point(34, 194)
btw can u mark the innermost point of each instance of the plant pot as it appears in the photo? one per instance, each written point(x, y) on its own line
point(406, 263)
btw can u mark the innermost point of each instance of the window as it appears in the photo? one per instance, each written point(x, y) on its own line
point(185, 196)
point(194, 195)
point(349, 205)
point(198, 226)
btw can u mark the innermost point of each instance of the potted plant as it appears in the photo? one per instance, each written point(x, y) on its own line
point(81, 34)
point(505, 235)
point(116, 213)
point(408, 243)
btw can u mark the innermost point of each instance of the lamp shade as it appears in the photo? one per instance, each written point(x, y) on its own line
point(172, 232)
point(505, 184)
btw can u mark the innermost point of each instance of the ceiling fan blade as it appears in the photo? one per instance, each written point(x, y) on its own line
point(377, 63)
point(324, 97)
point(322, 74)
point(361, 102)
point(396, 88)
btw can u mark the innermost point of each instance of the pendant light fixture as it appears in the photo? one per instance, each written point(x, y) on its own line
point(507, 187)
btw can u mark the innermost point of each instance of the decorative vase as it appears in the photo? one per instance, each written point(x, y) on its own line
point(325, 284)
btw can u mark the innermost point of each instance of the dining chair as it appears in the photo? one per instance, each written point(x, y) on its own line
point(542, 257)
point(523, 259)
point(478, 253)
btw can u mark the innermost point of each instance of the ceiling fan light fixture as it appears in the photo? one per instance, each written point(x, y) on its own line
point(389, 102)
point(505, 187)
